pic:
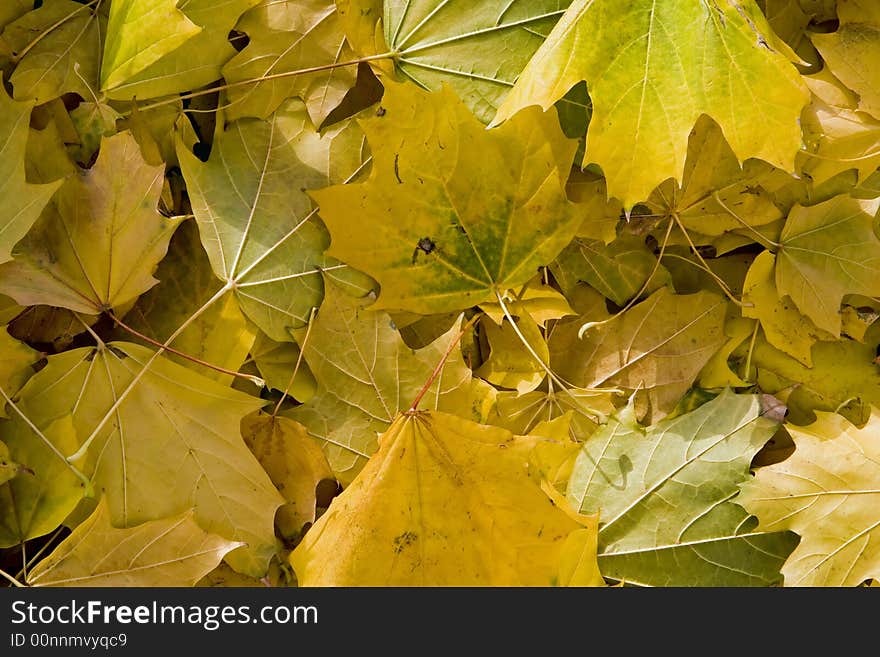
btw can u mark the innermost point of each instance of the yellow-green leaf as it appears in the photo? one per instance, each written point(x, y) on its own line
point(446, 502)
point(652, 69)
point(172, 551)
point(98, 242)
point(367, 375)
point(220, 335)
point(22, 202)
point(663, 495)
point(439, 43)
point(138, 34)
point(827, 251)
point(64, 59)
point(464, 227)
point(197, 61)
point(15, 361)
point(509, 363)
point(171, 442)
point(827, 492)
point(288, 36)
point(48, 490)
point(260, 233)
point(784, 326)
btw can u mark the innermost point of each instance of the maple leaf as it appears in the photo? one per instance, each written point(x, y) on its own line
point(15, 361)
point(664, 491)
point(261, 236)
point(58, 51)
point(166, 444)
point(440, 484)
point(22, 201)
point(139, 34)
point(42, 497)
point(843, 378)
point(652, 70)
point(717, 193)
point(173, 551)
point(435, 43)
point(827, 251)
point(618, 270)
point(294, 462)
point(853, 52)
point(97, 243)
point(277, 362)
point(288, 36)
point(784, 326)
point(466, 228)
point(367, 375)
point(659, 346)
point(509, 363)
point(826, 492)
point(195, 62)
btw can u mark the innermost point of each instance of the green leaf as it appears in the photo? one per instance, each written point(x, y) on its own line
point(261, 234)
point(464, 228)
point(173, 551)
point(827, 491)
point(437, 43)
point(277, 361)
point(827, 251)
point(284, 37)
point(658, 346)
point(139, 34)
point(662, 494)
point(98, 242)
point(367, 375)
point(652, 69)
point(58, 48)
point(197, 61)
point(22, 202)
point(171, 443)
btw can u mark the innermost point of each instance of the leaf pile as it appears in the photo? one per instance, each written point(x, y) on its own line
point(361, 293)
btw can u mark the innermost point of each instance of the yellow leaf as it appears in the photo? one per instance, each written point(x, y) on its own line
point(509, 363)
point(168, 552)
point(294, 462)
point(172, 442)
point(785, 327)
point(828, 492)
point(98, 242)
point(853, 51)
point(447, 502)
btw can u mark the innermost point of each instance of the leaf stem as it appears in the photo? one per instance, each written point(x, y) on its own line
point(299, 358)
point(440, 365)
point(718, 281)
point(11, 579)
point(30, 562)
point(253, 379)
point(761, 238)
